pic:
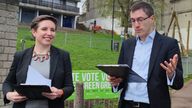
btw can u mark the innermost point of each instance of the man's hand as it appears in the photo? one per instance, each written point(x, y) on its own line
point(171, 66)
point(114, 80)
point(55, 93)
point(15, 97)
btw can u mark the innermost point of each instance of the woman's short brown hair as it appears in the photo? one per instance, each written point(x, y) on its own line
point(38, 19)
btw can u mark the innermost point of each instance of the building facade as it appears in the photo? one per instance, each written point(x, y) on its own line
point(8, 34)
point(183, 9)
point(90, 15)
point(64, 10)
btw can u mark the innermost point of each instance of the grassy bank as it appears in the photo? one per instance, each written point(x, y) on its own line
point(86, 49)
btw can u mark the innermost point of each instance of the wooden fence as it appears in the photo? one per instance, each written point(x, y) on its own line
point(96, 103)
point(79, 101)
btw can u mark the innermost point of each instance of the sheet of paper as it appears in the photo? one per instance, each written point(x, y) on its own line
point(35, 78)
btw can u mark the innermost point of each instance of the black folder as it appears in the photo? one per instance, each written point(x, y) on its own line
point(32, 91)
point(121, 70)
point(117, 70)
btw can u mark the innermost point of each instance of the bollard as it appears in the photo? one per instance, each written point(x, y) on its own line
point(116, 46)
point(22, 44)
point(79, 95)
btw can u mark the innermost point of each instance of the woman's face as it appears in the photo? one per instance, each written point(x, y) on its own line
point(45, 33)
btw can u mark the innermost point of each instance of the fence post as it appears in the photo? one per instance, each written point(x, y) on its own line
point(187, 66)
point(190, 65)
point(78, 101)
point(90, 40)
point(65, 36)
point(22, 44)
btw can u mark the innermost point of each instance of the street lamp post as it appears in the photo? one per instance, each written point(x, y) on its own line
point(112, 33)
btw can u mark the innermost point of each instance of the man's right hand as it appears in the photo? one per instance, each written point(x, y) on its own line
point(15, 97)
point(114, 80)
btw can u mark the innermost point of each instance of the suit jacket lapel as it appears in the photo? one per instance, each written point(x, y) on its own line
point(25, 63)
point(130, 51)
point(155, 52)
point(53, 61)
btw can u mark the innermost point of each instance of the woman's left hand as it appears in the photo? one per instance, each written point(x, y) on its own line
point(55, 93)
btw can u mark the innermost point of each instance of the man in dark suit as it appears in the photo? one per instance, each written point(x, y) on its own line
point(154, 57)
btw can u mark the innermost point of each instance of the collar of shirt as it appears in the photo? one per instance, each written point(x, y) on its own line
point(149, 38)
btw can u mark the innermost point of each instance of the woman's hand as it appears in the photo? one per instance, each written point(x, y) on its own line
point(15, 97)
point(55, 93)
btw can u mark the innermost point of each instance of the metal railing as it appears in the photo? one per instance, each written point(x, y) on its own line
point(12, 2)
point(90, 40)
point(51, 5)
point(187, 66)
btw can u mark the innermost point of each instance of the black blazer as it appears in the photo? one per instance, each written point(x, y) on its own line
point(60, 74)
point(163, 49)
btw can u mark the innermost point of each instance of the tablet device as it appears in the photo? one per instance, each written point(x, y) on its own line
point(117, 70)
point(32, 91)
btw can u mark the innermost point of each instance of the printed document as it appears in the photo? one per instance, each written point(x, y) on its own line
point(35, 78)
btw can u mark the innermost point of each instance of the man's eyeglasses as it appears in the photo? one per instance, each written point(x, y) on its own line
point(139, 20)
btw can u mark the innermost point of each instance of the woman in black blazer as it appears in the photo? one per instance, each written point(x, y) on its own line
point(49, 61)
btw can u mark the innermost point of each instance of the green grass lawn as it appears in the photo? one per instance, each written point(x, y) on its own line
point(86, 49)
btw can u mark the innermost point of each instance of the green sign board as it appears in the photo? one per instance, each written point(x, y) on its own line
point(95, 84)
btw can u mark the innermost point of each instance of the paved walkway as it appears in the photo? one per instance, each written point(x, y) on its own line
point(182, 98)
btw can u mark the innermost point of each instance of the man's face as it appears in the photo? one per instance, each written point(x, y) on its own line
point(141, 23)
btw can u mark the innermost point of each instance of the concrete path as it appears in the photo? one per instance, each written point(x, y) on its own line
point(182, 98)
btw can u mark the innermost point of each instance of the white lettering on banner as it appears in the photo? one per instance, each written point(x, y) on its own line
point(92, 80)
point(75, 77)
point(90, 76)
point(97, 85)
point(104, 77)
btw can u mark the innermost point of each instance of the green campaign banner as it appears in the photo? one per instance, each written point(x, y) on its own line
point(95, 84)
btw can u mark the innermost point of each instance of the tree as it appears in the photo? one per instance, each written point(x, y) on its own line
point(122, 9)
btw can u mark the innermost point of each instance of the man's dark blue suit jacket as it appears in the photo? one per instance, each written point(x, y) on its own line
point(163, 49)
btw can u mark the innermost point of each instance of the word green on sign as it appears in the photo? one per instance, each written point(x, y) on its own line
point(95, 84)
